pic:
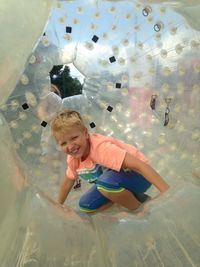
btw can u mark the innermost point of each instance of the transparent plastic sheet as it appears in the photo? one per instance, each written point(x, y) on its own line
point(156, 47)
point(15, 47)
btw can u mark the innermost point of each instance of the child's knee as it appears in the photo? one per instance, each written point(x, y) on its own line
point(93, 200)
point(86, 205)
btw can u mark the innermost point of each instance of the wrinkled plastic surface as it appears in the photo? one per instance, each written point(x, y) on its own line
point(19, 34)
point(141, 64)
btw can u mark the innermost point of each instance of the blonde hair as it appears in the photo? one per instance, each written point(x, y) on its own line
point(66, 119)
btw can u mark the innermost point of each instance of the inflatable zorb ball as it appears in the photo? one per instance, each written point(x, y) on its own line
point(140, 65)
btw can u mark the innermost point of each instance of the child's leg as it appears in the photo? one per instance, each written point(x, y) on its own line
point(105, 206)
point(93, 201)
point(124, 198)
point(142, 197)
point(123, 188)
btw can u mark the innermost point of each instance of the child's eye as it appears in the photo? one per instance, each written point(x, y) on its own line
point(74, 138)
point(63, 144)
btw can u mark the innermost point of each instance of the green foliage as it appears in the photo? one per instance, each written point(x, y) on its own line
point(68, 86)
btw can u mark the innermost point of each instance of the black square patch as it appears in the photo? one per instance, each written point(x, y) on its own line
point(92, 125)
point(109, 108)
point(44, 123)
point(112, 59)
point(95, 39)
point(118, 85)
point(69, 29)
point(25, 106)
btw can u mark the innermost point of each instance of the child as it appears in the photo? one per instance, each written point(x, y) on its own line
point(119, 172)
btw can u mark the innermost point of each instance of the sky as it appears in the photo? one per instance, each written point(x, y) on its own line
point(75, 73)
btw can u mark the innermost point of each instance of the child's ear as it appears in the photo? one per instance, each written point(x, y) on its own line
point(86, 133)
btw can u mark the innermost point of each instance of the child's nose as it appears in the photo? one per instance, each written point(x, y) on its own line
point(69, 146)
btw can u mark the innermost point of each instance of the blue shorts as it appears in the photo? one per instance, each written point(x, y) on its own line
point(115, 182)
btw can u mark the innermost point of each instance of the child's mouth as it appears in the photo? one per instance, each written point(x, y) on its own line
point(74, 151)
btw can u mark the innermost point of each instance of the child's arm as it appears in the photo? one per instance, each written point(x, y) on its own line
point(65, 188)
point(146, 170)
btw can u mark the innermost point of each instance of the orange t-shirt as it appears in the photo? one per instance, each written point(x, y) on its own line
point(105, 153)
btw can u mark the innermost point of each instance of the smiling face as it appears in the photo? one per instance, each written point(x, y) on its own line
point(74, 142)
